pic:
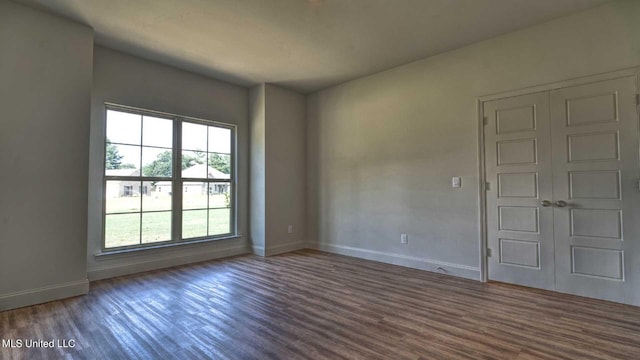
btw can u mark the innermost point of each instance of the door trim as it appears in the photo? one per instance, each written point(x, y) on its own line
point(480, 100)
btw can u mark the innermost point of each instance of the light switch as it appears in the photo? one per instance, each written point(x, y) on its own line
point(456, 182)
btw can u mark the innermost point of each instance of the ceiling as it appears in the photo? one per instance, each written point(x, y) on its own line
point(305, 45)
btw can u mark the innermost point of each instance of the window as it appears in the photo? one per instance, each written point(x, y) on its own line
point(149, 154)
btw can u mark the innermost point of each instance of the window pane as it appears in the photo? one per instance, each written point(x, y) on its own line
point(158, 196)
point(122, 196)
point(194, 164)
point(194, 195)
point(219, 140)
point(219, 221)
point(156, 226)
point(122, 160)
point(157, 132)
point(219, 166)
point(194, 223)
point(156, 162)
point(122, 230)
point(123, 127)
point(219, 195)
point(194, 136)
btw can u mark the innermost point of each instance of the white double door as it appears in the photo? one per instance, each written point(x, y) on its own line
point(563, 205)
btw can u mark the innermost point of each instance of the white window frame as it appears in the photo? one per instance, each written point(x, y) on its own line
point(176, 180)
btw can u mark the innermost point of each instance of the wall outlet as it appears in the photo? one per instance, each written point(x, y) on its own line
point(404, 239)
point(456, 182)
point(290, 229)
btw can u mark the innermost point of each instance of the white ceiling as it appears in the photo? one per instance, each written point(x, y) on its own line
point(305, 45)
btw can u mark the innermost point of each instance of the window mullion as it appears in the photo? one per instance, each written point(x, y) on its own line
point(177, 180)
point(141, 181)
point(206, 162)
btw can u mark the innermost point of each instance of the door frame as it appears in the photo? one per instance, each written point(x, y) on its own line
point(480, 100)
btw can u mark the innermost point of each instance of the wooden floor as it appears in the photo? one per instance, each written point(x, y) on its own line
point(314, 305)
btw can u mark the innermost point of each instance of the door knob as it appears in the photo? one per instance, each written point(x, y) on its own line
point(545, 203)
point(560, 204)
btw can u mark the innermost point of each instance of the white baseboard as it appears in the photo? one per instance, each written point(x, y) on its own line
point(284, 248)
point(464, 271)
point(258, 250)
point(44, 294)
point(161, 263)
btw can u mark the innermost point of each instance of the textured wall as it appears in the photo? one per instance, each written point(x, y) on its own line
point(127, 80)
point(45, 87)
point(382, 149)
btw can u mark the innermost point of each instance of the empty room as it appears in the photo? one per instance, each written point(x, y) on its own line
point(319, 179)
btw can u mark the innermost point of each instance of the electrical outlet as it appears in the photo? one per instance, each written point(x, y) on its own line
point(290, 229)
point(404, 239)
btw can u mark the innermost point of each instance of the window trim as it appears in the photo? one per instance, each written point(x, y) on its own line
point(176, 180)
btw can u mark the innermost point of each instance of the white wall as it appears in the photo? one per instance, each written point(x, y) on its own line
point(382, 149)
point(285, 170)
point(278, 170)
point(45, 84)
point(257, 194)
point(128, 80)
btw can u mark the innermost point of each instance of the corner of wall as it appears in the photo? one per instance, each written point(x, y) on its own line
point(48, 108)
point(257, 171)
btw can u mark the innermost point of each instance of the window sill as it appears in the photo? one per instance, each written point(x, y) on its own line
point(139, 250)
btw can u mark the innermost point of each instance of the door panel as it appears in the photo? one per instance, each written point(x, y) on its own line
point(595, 164)
point(519, 170)
point(521, 151)
point(603, 184)
point(517, 185)
point(518, 218)
point(598, 146)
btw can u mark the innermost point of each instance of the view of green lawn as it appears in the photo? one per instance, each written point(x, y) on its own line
point(125, 229)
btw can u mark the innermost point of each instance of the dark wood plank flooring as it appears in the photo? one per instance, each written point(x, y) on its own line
point(314, 305)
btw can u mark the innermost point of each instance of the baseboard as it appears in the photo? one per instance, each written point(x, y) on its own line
point(284, 248)
point(463, 271)
point(44, 294)
point(258, 250)
point(164, 262)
